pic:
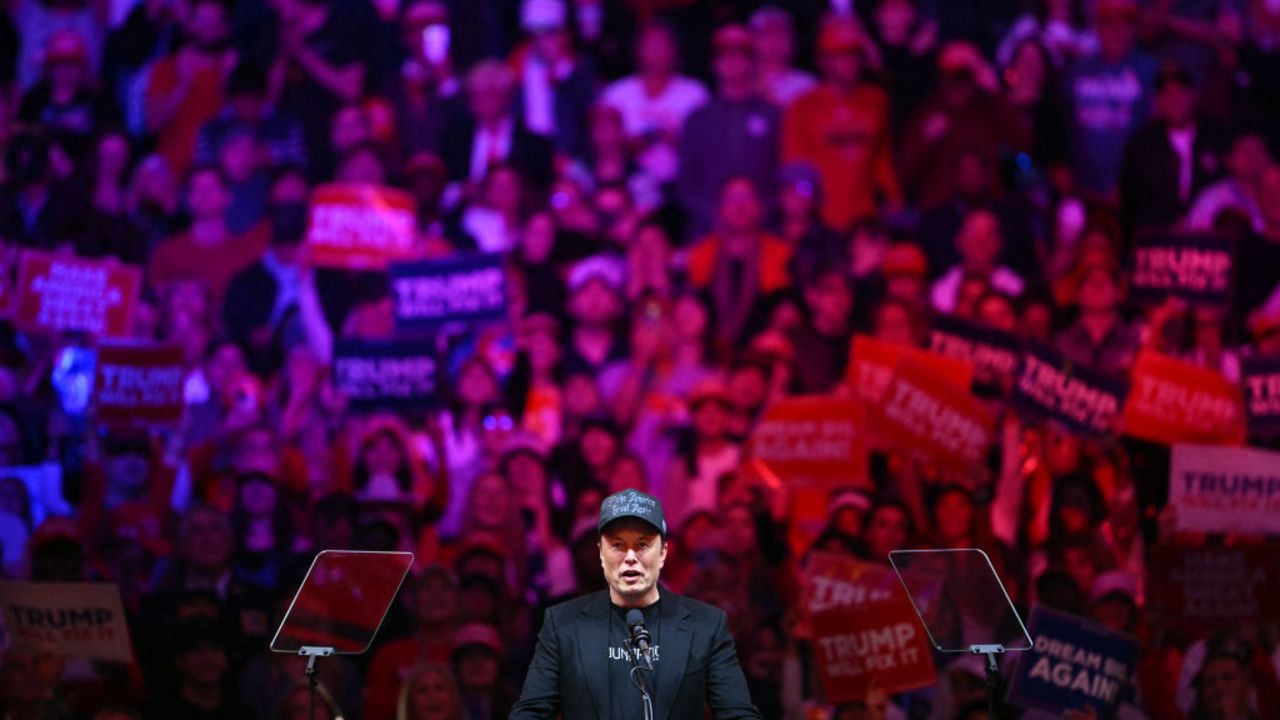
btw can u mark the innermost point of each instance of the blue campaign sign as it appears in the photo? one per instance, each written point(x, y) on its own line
point(1196, 266)
point(1074, 664)
point(1261, 382)
point(996, 356)
point(386, 374)
point(1085, 401)
point(431, 293)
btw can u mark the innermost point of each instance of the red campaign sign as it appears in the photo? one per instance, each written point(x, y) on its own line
point(137, 384)
point(881, 643)
point(59, 294)
point(872, 362)
point(834, 580)
point(1171, 401)
point(361, 227)
point(923, 412)
point(1200, 589)
point(811, 444)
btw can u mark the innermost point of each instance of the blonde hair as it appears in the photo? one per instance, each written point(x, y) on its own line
point(440, 670)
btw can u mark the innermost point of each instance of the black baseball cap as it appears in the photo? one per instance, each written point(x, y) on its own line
point(633, 504)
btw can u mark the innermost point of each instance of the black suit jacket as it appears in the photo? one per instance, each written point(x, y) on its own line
point(1149, 174)
point(531, 154)
point(698, 666)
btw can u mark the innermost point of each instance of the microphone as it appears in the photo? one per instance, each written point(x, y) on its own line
point(639, 635)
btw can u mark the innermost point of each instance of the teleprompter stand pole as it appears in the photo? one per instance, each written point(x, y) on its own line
point(313, 653)
point(993, 674)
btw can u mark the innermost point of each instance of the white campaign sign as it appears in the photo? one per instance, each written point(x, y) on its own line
point(1219, 489)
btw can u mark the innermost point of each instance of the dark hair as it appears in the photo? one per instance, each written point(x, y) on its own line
point(281, 514)
point(206, 168)
point(333, 508)
point(891, 504)
point(246, 79)
point(360, 472)
point(1058, 590)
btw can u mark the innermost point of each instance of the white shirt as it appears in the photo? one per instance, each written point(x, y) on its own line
point(1183, 143)
point(660, 115)
point(1220, 196)
point(538, 83)
point(785, 87)
point(493, 143)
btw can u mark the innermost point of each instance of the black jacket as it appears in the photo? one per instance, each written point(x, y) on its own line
point(530, 154)
point(698, 662)
point(1149, 173)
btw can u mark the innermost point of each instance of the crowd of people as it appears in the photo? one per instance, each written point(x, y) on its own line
point(699, 204)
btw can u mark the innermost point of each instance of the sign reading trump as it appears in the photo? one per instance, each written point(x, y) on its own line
point(880, 644)
point(431, 293)
point(1195, 266)
point(1219, 489)
point(139, 384)
point(360, 226)
point(85, 621)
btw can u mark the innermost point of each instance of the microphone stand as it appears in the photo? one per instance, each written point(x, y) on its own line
point(640, 664)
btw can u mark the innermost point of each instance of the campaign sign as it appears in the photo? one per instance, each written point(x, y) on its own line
point(925, 414)
point(1195, 266)
point(835, 580)
point(1218, 489)
point(1260, 378)
point(995, 355)
point(1173, 401)
point(881, 643)
point(1085, 401)
point(373, 374)
point(59, 294)
point(137, 384)
point(360, 227)
point(872, 362)
point(431, 293)
point(79, 620)
point(811, 444)
point(1074, 664)
point(1204, 588)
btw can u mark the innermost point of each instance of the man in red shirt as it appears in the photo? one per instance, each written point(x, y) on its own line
point(841, 128)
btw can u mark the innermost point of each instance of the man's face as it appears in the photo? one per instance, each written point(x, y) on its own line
point(656, 52)
point(773, 42)
point(733, 67)
point(739, 207)
point(830, 299)
point(436, 601)
point(490, 99)
point(208, 25)
point(843, 68)
point(1176, 103)
point(207, 196)
point(632, 554)
point(207, 541)
point(477, 667)
point(204, 664)
point(1115, 37)
point(1224, 688)
point(979, 242)
point(127, 472)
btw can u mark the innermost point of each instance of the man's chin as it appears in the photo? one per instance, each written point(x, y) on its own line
point(631, 591)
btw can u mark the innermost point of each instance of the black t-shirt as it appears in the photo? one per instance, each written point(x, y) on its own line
point(624, 698)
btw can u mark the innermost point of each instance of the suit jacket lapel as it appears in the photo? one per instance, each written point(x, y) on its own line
point(593, 650)
point(673, 652)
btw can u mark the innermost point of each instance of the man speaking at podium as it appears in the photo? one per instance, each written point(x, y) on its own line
point(595, 652)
